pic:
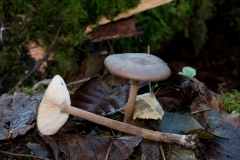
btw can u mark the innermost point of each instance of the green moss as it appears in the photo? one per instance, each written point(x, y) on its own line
point(30, 91)
point(162, 23)
point(117, 116)
point(34, 20)
point(103, 132)
point(26, 151)
point(231, 101)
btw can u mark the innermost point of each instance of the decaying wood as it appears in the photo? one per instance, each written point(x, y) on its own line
point(143, 6)
point(116, 30)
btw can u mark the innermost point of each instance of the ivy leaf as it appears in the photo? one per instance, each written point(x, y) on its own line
point(147, 107)
point(96, 97)
point(75, 146)
point(17, 114)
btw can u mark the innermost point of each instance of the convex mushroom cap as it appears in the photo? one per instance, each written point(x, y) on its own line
point(138, 66)
point(50, 118)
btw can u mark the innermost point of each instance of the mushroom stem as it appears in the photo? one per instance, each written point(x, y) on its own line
point(131, 101)
point(189, 141)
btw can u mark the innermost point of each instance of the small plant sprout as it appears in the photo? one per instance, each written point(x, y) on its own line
point(149, 83)
point(188, 71)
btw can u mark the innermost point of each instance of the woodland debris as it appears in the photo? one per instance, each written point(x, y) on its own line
point(115, 30)
point(143, 5)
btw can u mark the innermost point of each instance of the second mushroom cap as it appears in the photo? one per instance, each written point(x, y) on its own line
point(138, 66)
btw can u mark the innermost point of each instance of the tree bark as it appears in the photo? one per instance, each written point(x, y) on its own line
point(143, 6)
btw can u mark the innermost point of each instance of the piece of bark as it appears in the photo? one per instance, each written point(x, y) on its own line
point(116, 30)
point(143, 5)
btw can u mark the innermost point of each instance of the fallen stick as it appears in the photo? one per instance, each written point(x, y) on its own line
point(47, 81)
point(21, 155)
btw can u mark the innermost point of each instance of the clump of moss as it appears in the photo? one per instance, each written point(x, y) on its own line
point(160, 24)
point(103, 132)
point(23, 23)
point(231, 100)
point(30, 91)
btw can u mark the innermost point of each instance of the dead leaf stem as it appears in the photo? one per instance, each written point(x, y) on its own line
point(161, 150)
point(109, 149)
point(22, 155)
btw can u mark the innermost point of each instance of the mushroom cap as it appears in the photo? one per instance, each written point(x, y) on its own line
point(50, 118)
point(138, 66)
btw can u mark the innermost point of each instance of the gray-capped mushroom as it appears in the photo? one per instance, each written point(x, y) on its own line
point(55, 107)
point(136, 67)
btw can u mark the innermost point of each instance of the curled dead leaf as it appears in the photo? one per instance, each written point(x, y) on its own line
point(147, 107)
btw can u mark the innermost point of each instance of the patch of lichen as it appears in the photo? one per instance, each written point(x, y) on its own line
point(231, 100)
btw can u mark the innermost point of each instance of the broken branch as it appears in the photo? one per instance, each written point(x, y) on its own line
point(40, 62)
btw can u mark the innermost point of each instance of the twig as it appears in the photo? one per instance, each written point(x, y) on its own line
point(149, 83)
point(109, 149)
point(111, 47)
point(47, 81)
point(203, 110)
point(41, 83)
point(41, 61)
point(161, 150)
point(22, 155)
point(76, 82)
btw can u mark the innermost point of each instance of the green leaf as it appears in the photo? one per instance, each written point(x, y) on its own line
point(188, 71)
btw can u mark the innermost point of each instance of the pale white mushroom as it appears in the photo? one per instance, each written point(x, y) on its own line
point(55, 107)
point(49, 111)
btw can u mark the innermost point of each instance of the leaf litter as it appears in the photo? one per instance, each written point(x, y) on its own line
point(96, 97)
point(17, 115)
point(147, 107)
point(203, 114)
point(75, 146)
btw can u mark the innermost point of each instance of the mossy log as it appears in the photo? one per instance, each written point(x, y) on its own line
point(143, 6)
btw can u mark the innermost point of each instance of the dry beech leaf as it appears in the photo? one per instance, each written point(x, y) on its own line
point(96, 97)
point(37, 149)
point(177, 152)
point(177, 91)
point(78, 147)
point(149, 150)
point(17, 114)
point(228, 126)
point(183, 124)
point(147, 107)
